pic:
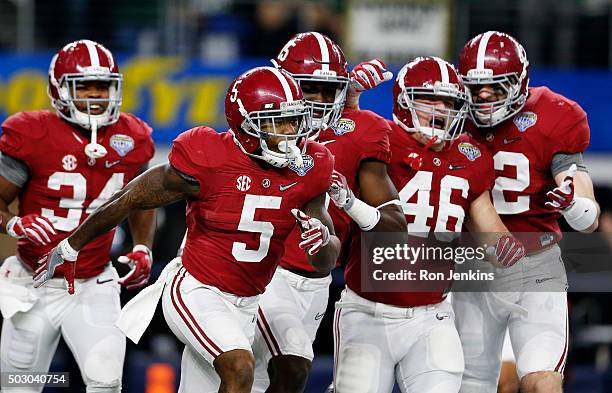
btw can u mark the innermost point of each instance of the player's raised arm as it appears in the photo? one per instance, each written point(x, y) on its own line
point(320, 243)
point(159, 186)
point(484, 221)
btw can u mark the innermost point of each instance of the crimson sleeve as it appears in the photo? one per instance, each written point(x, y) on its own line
point(376, 141)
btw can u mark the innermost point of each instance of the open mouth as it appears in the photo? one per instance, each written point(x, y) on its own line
point(96, 109)
point(437, 123)
point(318, 113)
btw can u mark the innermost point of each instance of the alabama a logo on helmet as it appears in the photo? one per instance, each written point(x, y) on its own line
point(308, 165)
point(343, 126)
point(469, 150)
point(122, 144)
point(524, 120)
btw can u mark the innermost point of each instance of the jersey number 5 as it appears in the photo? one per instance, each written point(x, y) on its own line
point(248, 224)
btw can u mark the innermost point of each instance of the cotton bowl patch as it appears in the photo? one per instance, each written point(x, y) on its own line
point(122, 144)
point(469, 150)
point(308, 165)
point(343, 126)
point(524, 120)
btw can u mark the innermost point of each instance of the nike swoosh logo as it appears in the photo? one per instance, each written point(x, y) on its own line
point(441, 317)
point(453, 167)
point(319, 316)
point(541, 280)
point(326, 142)
point(103, 281)
point(512, 140)
point(110, 164)
point(288, 186)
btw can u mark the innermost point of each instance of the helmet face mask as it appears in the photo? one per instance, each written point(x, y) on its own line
point(266, 112)
point(75, 72)
point(82, 110)
point(313, 59)
point(445, 124)
point(277, 146)
point(498, 61)
point(324, 114)
point(430, 99)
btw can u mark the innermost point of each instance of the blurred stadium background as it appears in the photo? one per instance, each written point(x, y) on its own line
point(178, 57)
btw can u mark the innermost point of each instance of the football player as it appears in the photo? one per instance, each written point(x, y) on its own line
point(444, 178)
point(244, 188)
point(536, 137)
point(291, 309)
point(61, 166)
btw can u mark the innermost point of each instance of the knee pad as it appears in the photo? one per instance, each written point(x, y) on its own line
point(103, 365)
point(444, 351)
point(352, 373)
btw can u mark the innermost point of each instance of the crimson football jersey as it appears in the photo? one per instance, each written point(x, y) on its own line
point(357, 135)
point(523, 148)
point(435, 199)
point(64, 184)
point(238, 224)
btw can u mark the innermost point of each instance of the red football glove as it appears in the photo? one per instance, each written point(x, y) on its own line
point(140, 260)
point(368, 75)
point(34, 227)
point(61, 260)
point(508, 250)
point(315, 235)
point(562, 197)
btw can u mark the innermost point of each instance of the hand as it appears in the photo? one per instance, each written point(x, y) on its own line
point(140, 260)
point(562, 197)
point(508, 250)
point(315, 235)
point(34, 227)
point(61, 260)
point(368, 75)
point(339, 191)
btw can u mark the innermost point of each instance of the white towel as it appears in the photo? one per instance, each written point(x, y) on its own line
point(16, 290)
point(14, 298)
point(137, 314)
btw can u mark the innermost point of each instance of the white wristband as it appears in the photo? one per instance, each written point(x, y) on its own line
point(142, 247)
point(581, 214)
point(10, 227)
point(363, 214)
point(67, 252)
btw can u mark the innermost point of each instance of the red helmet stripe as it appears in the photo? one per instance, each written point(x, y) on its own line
point(482, 49)
point(93, 53)
point(283, 82)
point(324, 50)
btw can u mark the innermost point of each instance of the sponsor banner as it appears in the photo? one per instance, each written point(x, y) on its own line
point(174, 94)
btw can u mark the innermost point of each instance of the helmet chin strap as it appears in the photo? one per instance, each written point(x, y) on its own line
point(94, 149)
point(294, 152)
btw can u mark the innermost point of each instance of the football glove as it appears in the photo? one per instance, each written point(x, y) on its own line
point(61, 261)
point(315, 235)
point(140, 261)
point(34, 227)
